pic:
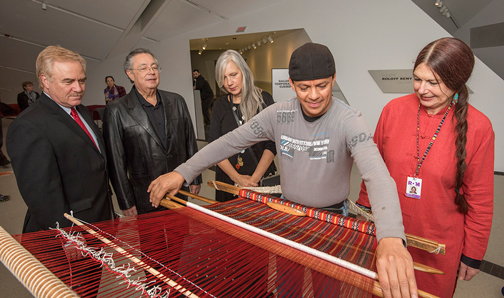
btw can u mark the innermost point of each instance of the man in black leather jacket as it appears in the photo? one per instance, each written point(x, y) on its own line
point(148, 133)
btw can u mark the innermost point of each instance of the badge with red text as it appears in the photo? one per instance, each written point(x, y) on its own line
point(413, 187)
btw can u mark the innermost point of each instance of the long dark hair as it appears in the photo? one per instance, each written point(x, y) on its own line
point(453, 61)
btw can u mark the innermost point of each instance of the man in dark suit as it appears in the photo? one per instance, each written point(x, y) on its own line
point(57, 151)
point(206, 92)
point(27, 97)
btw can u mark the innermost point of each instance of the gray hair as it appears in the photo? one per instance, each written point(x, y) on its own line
point(128, 64)
point(251, 100)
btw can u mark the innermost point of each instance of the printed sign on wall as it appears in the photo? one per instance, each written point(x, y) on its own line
point(280, 87)
point(394, 80)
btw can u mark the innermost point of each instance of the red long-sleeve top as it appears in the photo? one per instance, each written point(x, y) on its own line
point(434, 215)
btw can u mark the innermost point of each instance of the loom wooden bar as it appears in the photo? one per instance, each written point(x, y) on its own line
point(185, 193)
point(170, 204)
point(41, 282)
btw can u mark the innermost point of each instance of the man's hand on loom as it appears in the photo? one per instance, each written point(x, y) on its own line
point(130, 211)
point(395, 269)
point(158, 188)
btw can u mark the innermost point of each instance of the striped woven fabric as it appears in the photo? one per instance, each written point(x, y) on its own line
point(333, 239)
point(347, 222)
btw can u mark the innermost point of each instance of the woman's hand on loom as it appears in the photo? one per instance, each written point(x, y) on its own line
point(244, 180)
point(395, 269)
point(158, 188)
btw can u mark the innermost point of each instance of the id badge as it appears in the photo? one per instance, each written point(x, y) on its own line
point(413, 187)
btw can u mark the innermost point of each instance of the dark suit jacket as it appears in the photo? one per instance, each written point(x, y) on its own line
point(136, 155)
point(202, 85)
point(57, 166)
point(22, 100)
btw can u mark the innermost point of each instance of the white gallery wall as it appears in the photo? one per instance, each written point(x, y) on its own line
point(363, 35)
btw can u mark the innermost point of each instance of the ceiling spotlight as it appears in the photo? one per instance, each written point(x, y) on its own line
point(254, 46)
point(199, 52)
point(258, 43)
point(443, 9)
point(448, 15)
point(437, 2)
point(264, 40)
point(440, 4)
point(44, 6)
point(270, 39)
point(249, 47)
point(204, 44)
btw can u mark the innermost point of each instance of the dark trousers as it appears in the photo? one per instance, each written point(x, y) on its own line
point(205, 106)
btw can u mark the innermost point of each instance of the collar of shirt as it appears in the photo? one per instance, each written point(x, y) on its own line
point(67, 110)
point(145, 103)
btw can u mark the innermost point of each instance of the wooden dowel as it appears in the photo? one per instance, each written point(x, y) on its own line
point(134, 259)
point(186, 193)
point(426, 269)
point(170, 204)
point(224, 187)
point(174, 198)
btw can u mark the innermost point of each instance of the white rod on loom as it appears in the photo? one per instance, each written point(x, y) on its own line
point(291, 243)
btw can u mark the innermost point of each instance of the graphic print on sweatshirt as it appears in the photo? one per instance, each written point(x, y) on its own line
point(316, 149)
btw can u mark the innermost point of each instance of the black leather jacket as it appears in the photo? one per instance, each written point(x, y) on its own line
point(134, 150)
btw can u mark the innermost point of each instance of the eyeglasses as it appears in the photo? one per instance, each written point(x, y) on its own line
point(146, 68)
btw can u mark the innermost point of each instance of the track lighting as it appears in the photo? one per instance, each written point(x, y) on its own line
point(270, 39)
point(254, 46)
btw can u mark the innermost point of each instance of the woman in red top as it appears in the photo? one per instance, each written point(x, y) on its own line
point(436, 143)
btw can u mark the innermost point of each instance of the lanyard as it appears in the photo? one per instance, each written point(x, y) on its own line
point(420, 162)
